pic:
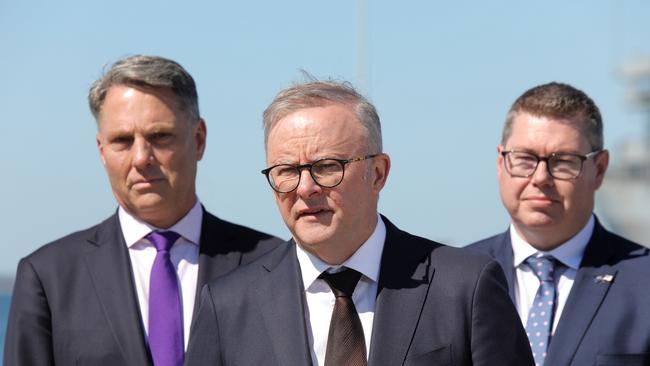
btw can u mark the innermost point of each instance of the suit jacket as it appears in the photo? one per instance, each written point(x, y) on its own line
point(435, 305)
point(74, 301)
point(604, 322)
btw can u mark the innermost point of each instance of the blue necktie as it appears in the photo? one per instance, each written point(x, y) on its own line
point(165, 314)
point(540, 316)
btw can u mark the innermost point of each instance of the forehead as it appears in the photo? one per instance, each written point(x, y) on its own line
point(546, 133)
point(125, 103)
point(328, 127)
point(135, 94)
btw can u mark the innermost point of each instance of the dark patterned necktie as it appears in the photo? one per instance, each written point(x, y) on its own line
point(165, 315)
point(540, 316)
point(346, 345)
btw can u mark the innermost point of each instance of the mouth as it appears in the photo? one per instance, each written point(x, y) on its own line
point(145, 183)
point(315, 212)
point(540, 200)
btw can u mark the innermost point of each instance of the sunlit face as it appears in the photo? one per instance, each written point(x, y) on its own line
point(544, 210)
point(329, 222)
point(150, 150)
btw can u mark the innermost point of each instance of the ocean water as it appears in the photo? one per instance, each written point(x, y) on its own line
point(4, 314)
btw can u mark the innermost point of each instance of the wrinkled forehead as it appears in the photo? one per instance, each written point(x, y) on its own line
point(331, 127)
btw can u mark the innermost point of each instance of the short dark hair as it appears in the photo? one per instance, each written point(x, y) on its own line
point(560, 101)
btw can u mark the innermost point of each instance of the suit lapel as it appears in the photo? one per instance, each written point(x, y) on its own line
point(214, 258)
point(587, 293)
point(502, 252)
point(110, 271)
point(404, 280)
point(281, 296)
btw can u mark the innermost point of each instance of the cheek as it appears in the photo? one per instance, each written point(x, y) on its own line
point(336, 201)
point(285, 203)
point(571, 194)
point(116, 167)
point(511, 191)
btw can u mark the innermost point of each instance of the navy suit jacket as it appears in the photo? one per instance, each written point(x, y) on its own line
point(74, 301)
point(603, 322)
point(435, 305)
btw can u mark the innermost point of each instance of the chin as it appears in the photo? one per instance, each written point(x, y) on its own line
point(312, 236)
point(540, 221)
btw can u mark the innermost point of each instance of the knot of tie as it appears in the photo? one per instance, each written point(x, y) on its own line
point(163, 240)
point(345, 341)
point(165, 328)
point(342, 283)
point(543, 266)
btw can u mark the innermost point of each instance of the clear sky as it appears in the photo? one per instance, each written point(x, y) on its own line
point(442, 75)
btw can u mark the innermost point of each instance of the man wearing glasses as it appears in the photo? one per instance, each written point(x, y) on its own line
point(351, 288)
point(580, 290)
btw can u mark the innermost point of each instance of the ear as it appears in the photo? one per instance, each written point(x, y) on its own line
point(200, 135)
point(100, 147)
point(380, 170)
point(602, 162)
point(500, 166)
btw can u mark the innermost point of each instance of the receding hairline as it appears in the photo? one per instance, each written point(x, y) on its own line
point(314, 102)
point(165, 94)
point(148, 73)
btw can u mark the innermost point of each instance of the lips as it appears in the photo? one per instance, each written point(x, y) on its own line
point(145, 182)
point(312, 212)
point(540, 199)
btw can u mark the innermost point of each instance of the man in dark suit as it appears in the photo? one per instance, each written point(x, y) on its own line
point(123, 292)
point(351, 288)
point(580, 290)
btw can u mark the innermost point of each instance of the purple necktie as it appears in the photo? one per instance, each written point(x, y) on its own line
point(165, 316)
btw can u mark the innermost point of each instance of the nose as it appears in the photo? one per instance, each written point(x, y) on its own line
point(307, 187)
point(541, 176)
point(142, 153)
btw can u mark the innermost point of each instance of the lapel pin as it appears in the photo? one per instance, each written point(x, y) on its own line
point(604, 278)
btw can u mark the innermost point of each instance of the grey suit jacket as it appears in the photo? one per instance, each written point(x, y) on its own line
point(435, 305)
point(604, 322)
point(74, 302)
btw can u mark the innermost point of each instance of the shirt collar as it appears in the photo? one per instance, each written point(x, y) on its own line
point(189, 227)
point(570, 253)
point(365, 260)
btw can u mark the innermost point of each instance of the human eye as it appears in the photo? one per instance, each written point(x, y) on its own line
point(161, 137)
point(284, 171)
point(523, 160)
point(565, 162)
point(326, 167)
point(120, 142)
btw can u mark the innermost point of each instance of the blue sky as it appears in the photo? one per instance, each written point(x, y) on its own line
point(442, 75)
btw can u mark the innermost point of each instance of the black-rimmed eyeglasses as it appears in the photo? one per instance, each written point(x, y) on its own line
point(327, 173)
point(563, 166)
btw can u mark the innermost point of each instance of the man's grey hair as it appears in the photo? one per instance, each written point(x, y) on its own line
point(559, 101)
point(147, 72)
point(315, 93)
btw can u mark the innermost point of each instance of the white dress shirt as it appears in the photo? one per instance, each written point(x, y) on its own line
point(320, 298)
point(184, 255)
point(570, 254)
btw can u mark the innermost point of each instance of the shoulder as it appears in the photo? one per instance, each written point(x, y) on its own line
point(490, 244)
point(457, 262)
point(74, 243)
point(235, 237)
point(232, 230)
point(64, 256)
point(616, 251)
point(247, 276)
